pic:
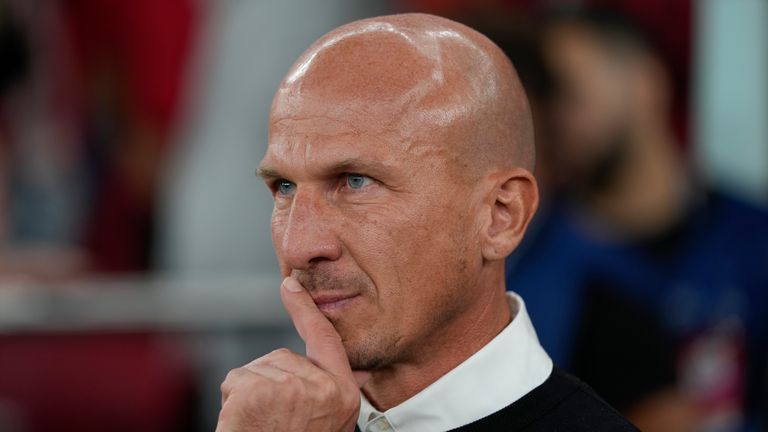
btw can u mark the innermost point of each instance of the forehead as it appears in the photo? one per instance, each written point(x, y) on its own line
point(379, 91)
point(313, 145)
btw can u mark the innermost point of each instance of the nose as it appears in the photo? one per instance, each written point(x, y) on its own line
point(308, 234)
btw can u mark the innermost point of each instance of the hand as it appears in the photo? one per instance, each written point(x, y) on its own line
point(284, 391)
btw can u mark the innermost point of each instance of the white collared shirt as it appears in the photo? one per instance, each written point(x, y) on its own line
point(512, 364)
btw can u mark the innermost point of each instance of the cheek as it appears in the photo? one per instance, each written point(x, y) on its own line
point(378, 242)
point(412, 254)
point(371, 238)
point(278, 226)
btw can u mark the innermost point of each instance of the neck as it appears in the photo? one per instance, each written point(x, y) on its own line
point(646, 196)
point(485, 317)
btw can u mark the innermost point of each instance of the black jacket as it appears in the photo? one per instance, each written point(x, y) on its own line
point(561, 404)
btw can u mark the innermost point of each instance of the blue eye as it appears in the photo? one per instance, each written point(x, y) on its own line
point(357, 181)
point(284, 187)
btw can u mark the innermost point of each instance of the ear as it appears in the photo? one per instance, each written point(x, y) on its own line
point(513, 202)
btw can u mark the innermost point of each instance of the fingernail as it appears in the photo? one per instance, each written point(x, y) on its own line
point(292, 285)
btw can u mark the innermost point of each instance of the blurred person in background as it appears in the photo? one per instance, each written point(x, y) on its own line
point(39, 190)
point(635, 263)
point(90, 96)
point(88, 92)
point(130, 61)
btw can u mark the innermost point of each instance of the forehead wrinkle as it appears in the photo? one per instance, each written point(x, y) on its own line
point(294, 132)
point(314, 125)
point(334, 149)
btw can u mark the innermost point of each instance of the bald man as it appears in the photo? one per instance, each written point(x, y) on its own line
point(400, 158)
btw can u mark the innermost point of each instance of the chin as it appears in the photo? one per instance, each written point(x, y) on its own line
point(364, 361)
point(368, 351)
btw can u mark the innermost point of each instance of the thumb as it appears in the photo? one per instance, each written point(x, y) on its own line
point(323, 342)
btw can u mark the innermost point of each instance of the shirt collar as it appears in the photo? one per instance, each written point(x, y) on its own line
point(512, 364)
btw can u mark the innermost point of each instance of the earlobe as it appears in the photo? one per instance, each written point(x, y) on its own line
point(514, 201)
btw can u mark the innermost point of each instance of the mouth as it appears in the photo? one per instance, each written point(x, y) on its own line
point(329, 303)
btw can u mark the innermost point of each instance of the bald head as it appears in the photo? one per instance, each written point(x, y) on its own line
point(417, 79)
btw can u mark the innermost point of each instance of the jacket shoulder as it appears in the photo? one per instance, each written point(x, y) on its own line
point(561, 403)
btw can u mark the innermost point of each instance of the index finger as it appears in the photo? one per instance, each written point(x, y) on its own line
point(323, 342)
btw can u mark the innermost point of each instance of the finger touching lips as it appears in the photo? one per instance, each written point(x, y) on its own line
point(323, 343)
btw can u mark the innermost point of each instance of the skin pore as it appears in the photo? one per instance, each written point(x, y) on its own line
point(400, 151)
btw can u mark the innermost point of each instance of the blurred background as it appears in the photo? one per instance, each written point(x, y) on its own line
point(136, 266)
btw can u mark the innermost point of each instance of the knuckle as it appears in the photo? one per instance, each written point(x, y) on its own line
point(287, 380)
point(288, 389)
point(281, 353)
point(240, 378)
point(233, 376)
point(276, 357)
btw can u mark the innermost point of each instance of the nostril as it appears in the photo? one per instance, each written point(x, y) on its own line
point(317, 260)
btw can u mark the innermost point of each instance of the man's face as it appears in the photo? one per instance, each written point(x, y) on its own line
point(373, 222)
point(590, 106)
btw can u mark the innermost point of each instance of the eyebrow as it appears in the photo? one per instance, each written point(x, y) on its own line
point(358, 165)
point(353, 165)
point(267, 173)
